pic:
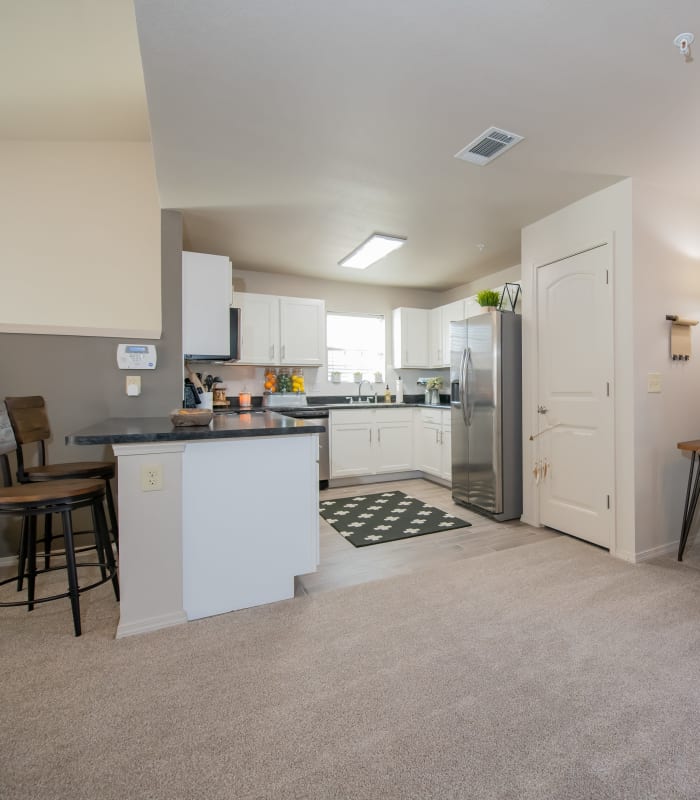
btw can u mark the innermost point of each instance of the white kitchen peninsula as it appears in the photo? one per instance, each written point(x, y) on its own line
point(235, 521)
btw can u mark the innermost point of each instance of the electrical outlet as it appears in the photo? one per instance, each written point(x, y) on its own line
point(152, 478)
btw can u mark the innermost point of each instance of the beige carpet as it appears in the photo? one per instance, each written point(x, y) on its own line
point(549, 671)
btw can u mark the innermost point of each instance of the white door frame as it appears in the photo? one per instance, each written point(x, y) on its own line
point(530, 397)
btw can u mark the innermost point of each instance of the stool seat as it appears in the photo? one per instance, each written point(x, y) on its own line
point(36, 494)
point(71, 469)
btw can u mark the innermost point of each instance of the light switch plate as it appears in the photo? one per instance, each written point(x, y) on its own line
point(133, 385)
point(654, 383)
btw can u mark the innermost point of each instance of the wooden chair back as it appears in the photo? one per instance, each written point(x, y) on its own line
point(30, 423)
point(29, 418)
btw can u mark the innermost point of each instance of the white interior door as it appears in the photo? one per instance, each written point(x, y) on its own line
point(575, 453)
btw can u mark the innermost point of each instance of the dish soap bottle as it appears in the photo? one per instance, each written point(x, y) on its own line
point(387, 394)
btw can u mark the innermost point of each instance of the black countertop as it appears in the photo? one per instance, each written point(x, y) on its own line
point(123, 430)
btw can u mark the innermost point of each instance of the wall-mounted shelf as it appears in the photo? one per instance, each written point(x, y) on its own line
point(680, 336)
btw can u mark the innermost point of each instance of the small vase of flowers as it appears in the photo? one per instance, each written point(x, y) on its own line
point(432, 391)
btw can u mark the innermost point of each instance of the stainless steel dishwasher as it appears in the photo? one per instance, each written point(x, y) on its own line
point(320, 416)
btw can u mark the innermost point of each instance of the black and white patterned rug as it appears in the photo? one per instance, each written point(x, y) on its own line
point(385, 517)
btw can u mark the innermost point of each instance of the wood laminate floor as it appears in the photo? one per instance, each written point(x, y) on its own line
point(342, 564)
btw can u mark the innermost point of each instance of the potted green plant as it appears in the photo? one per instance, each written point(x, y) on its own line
point(488, 299)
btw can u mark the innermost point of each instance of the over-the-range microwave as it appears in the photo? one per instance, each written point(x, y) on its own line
point(234, 341)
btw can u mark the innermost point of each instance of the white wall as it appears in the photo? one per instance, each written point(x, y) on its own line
point(509, 275)
point(667, 281)
point(80, 243)
point(605, 216)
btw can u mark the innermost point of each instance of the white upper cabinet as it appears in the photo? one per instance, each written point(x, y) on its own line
point(260, 328)
point(206, 299)
point(440, 331)
point(302, 331)
point(281, 330)
point(471, 307)
point(411, 337)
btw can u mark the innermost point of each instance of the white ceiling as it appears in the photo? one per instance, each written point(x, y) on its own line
point(289, 131)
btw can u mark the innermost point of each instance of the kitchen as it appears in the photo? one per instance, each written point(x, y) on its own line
point(78, 322)
point(92, 253)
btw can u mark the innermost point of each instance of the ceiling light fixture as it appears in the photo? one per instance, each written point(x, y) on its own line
point(377, 246)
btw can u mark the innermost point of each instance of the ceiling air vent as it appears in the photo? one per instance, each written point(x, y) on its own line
point(491, 144)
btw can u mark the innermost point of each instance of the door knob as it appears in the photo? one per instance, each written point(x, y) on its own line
point(541, 410)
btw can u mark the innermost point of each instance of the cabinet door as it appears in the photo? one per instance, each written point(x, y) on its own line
point(471, 307)
point(410, 337)
point(393, 446)
point(435, 339)
point(428, 448)
point(452, 312)
point(446, 439)
point(302, 331)
point(260, 332)
point(351, 449)
point(206, 299)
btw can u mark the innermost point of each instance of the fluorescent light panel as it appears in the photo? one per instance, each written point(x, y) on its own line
point(377, 246)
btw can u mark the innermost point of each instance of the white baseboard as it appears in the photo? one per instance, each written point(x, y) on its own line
point(654, 552)
point(150, 624)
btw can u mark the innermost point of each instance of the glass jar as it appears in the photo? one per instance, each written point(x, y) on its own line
point(298, 380)
point(270, 380)
point(284, 380)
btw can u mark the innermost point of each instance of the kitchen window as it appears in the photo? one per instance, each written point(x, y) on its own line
point(356, 347)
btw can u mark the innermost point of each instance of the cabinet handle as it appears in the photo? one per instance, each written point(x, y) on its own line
point(272, 351)
point(437, 441)
point(284, 350)
point(379, 435)
point(370, 436)
point(441, 437)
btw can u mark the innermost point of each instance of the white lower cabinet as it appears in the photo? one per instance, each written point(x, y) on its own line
point(433, 443)
point(370, 441)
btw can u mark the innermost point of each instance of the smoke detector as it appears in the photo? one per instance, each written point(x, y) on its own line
point(683, 42)
point(492, 143)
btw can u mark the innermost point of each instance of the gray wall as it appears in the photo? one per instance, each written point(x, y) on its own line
point(79, 378)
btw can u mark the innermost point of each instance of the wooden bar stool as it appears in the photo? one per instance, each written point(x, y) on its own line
point(30, 423)
point(32, 500)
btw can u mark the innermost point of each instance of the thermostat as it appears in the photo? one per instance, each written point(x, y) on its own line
point(136, 356)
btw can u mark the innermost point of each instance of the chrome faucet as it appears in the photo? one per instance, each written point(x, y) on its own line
point(359, 390)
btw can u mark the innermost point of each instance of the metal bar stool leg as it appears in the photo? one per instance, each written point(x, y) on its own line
point(691, 502)
point(31, 562)
point(72, 571)
point(100, 543)
point(24, 539)
point(113, 521)
point(48, 537)
point(103, 532)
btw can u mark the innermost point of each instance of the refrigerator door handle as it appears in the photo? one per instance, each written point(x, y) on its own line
point(468, 408)
point(462, 385)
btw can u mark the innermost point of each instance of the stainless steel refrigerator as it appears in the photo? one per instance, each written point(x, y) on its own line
point(486, 408)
